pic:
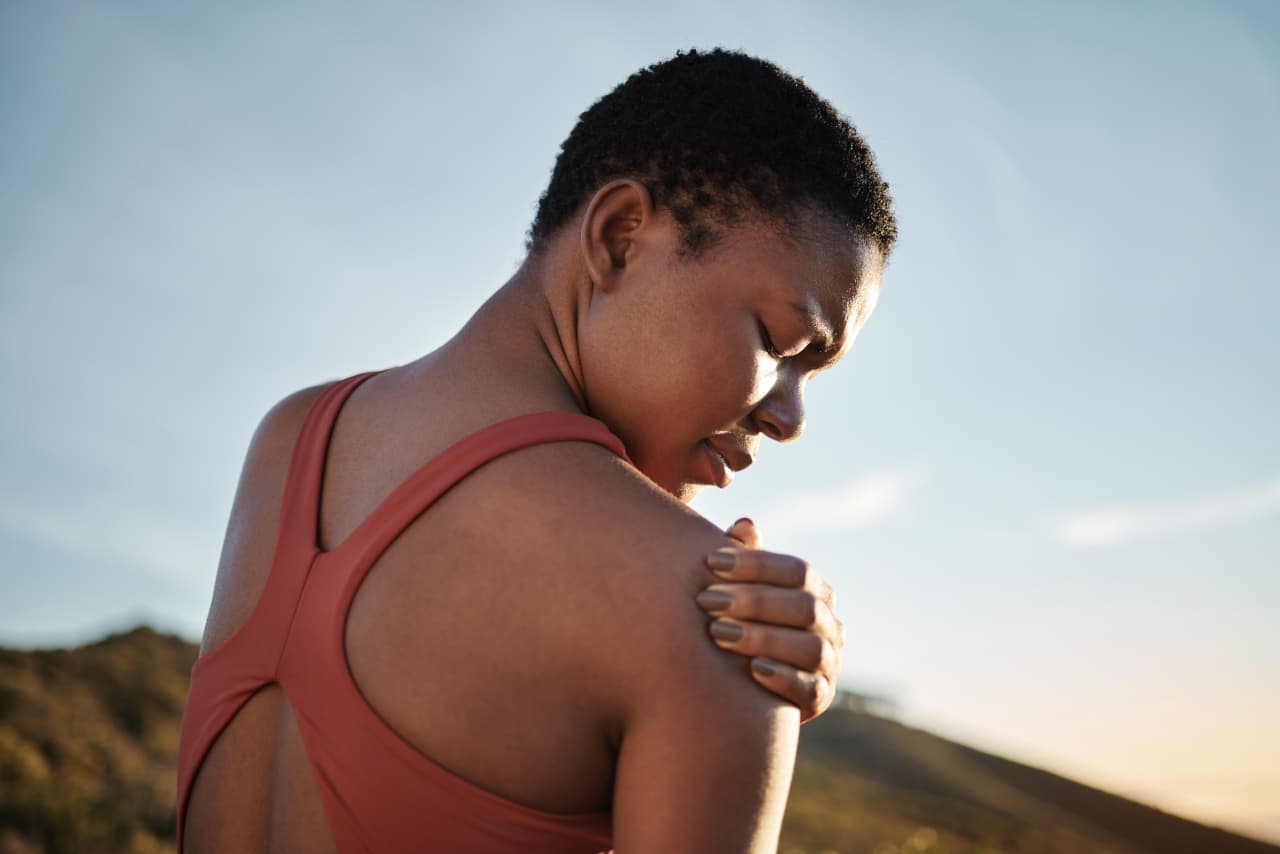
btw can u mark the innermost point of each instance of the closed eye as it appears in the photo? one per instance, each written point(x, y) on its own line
point(767, 341)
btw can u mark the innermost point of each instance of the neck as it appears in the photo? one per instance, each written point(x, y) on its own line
point(522, 343)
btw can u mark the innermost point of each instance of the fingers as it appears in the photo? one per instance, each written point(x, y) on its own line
point(746, 532)
point(759, 565)
point(783, 606)
point(767, 587)
point(767, 567)
point(778, 610)
point(811, 692)
point(796, 647)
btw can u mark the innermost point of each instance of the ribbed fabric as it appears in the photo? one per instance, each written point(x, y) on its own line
point(380, 794)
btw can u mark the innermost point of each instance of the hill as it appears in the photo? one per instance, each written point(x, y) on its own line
point(89, 736)
point(866, 783)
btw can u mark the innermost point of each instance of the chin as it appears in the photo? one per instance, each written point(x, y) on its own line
point(686, 492)
point(683, 491)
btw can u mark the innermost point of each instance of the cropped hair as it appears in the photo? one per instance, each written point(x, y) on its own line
point(717, 137)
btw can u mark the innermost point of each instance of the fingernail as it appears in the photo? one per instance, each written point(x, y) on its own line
point(727, 632)
point(762, 667)
point(714, 600)
point(721, 560)
point(746, 519)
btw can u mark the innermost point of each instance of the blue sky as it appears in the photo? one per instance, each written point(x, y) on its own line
point(1058, 538)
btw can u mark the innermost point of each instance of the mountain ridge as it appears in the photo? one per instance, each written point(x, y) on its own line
point(89, 735)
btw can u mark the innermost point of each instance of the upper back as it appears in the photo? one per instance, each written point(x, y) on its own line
point(495, 635)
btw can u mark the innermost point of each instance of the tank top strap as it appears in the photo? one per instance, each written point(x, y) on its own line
point(300, 507)
point(442, 472)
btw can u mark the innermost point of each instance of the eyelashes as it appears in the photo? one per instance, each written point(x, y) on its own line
point(767, 341)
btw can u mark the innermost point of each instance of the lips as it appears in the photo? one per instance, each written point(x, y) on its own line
point(726, 456)
point(721, 472)
point(733, 452)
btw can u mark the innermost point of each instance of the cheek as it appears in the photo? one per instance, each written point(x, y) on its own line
point(739, 380)
point(635, 371)
point(731, 383)
point(665, 375)
point(764, 376)
point(723, 372)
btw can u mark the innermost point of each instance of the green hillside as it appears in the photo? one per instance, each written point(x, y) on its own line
point(88, 739)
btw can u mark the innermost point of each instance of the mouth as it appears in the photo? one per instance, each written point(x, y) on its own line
point(724, 459)
point(721, 472)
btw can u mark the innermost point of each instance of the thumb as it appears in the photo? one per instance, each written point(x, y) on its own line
point(744, 531)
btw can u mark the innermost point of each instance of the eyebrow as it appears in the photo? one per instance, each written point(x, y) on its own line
point(825, 340)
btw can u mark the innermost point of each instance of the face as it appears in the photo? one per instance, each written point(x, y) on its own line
point(693, 363)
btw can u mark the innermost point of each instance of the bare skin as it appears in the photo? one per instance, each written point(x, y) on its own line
point(592, 625)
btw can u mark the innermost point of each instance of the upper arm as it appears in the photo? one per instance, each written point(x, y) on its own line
point(706, 760)
point(704, 753)
point(253, 518)
point(261, 483)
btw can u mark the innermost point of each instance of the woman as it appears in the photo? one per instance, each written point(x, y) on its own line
point(524, 667)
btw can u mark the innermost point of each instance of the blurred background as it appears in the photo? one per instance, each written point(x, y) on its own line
point(1057, 540)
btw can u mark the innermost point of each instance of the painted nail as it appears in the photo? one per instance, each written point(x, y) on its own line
point(762, 667)
point(714, 600)
point(727, 632)
point(721, 560)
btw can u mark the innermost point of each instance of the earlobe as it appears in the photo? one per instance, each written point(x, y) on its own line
point(614, 216)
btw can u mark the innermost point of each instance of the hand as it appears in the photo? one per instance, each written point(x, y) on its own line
point(785, 614)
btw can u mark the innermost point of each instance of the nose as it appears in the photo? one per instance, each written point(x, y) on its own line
point(780, 416)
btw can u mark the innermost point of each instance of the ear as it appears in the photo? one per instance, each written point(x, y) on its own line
point(617, 212)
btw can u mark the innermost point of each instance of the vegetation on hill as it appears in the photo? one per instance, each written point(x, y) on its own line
point(89, 739)
point(868, 784)
point(89, 744)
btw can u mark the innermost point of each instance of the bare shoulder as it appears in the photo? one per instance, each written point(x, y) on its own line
point(618, 562)
point(251, 525)
point(704, 754)
point(278, 429)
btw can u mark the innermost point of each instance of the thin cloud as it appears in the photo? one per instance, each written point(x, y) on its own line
point(867, 500)
point(1110, 526)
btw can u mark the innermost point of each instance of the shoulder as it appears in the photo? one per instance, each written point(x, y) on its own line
point(251, 525)
point(276, 433)
point(260, 486)
point(704, 754)
point(618, 562)
point(278, 428)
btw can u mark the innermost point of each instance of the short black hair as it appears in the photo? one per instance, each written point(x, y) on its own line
point(718, 136)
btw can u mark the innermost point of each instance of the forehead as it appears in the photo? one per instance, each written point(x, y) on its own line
point(811, 262)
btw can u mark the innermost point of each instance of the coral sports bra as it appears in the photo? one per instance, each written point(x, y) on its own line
point(380, 794)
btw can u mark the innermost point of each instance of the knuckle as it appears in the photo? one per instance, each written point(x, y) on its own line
point(802, 572)
point(820, 689)
point(752, 562)
point(813, 579)
point(808, 611)
point(827, 658)
point(753, 601)
point(814, 653)
point(760, 645)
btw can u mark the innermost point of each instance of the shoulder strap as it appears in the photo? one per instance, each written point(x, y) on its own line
point(443, 471)
point(300, 505)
